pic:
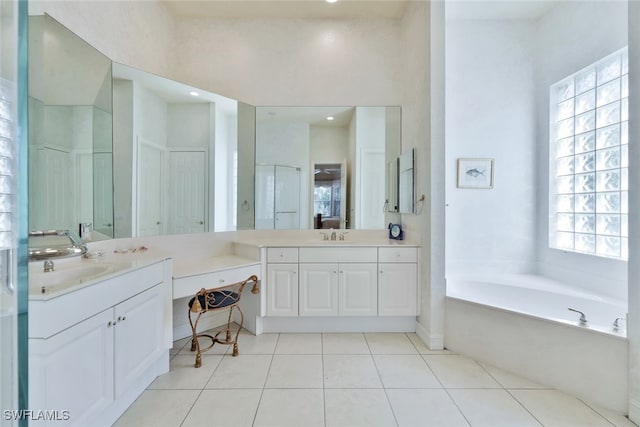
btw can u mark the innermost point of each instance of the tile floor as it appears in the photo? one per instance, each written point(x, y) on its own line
point(370, 379)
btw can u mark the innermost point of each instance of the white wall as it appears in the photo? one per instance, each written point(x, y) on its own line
point(292, 61)
point(137, 33)
point(490, 114)
point(570, 37)
point(329, 144)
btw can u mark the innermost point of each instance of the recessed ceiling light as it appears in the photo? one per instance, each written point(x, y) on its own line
point(194, 93)
point(331, 1)
point(330, 118)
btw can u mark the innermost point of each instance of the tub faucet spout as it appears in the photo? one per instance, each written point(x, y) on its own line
point(583, 318)
point(616, 323)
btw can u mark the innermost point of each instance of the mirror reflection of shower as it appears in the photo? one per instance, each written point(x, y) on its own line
point(329, 203)
point(277, 197)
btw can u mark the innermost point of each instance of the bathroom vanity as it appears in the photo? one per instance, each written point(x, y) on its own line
point(95, 344)
point(100, 329)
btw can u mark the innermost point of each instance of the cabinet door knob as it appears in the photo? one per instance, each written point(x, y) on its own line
point(110, 324)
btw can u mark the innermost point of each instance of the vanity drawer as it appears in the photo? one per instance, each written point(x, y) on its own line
point(188, 286)
point(338, 254)
point(397, 254)
point(286, 255)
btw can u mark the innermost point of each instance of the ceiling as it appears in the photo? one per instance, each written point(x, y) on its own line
point(498, 9)
point(300, 9)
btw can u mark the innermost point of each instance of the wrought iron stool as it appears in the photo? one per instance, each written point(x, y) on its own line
point(213, 300)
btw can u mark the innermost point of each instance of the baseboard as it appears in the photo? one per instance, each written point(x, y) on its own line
point(433, 341)
point(338, 324)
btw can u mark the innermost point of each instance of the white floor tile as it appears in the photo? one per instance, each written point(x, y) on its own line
point(252, 344)
point(492, 408)
point(555, 409)
point(224, 408)
point(158, 408)
point(390, 343)
point(299, 344)
point(345, 343)
point(510, 380)
point(178, 345)
point(405, 371)
point(614, 418)
point(184, 375)
point(350, 371)
point(283, 408)
point(459, 372)
point(242, 371)
point(421, 407)
point(295, 371)
point(357, 407)
point(204, 343)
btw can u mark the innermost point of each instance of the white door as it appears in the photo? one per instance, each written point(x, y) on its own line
point(287, 197)
point(358, 290)
point(371, 191)
point(265, 197)
point(282, 290)
point(187, 192)
point(318, 290)
point(53, 206)
point(397, 289)
point(138, 336)
point(149, 189)
point(103, 193)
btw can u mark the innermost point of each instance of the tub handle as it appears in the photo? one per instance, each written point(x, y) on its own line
point(583, 318)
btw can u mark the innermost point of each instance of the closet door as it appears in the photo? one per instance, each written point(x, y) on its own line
point(187, 192)
point(149, 189)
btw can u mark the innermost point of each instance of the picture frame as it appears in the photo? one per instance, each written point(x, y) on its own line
point(475, 173)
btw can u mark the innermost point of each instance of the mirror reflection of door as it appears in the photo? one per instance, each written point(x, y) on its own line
point(149, 188)
point(103, 193)
point(329, 202)
point(187, 192)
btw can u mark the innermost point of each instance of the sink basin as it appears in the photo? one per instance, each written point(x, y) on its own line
point(65, 276)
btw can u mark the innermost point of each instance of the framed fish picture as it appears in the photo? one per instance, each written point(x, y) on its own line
point(475, 173)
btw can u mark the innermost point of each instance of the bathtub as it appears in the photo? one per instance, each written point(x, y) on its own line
point(522, 324)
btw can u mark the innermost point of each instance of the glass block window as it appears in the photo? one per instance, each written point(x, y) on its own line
point(589, 159)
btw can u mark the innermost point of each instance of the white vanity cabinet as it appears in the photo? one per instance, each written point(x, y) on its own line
point(95, 366)
point(282, 282)
point(338, 281)
point(397, 281)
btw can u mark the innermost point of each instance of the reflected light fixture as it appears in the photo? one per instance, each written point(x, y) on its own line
point(194, 93)
point(331, 1)
point(330, 118)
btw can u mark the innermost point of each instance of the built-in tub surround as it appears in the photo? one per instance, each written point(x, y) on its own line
point(522, 324)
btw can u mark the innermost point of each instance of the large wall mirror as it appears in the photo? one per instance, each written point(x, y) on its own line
point(325, 167)
point(70, 123)
point(136, 154)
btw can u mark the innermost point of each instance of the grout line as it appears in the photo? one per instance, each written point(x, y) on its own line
point(255, 415)
point(191, 408)
point(524, 407)
point(596, 411)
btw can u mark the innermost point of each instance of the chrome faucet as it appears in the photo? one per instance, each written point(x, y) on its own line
point(48, 266)
point(583, 318)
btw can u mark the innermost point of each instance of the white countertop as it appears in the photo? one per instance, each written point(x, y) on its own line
point(186, 268)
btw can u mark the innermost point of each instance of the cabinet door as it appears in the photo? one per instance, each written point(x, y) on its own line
point(318, 290)
point(358, 294)
point(138, 336)
point(73, 370)
point(282, 289)
point(397, 289)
